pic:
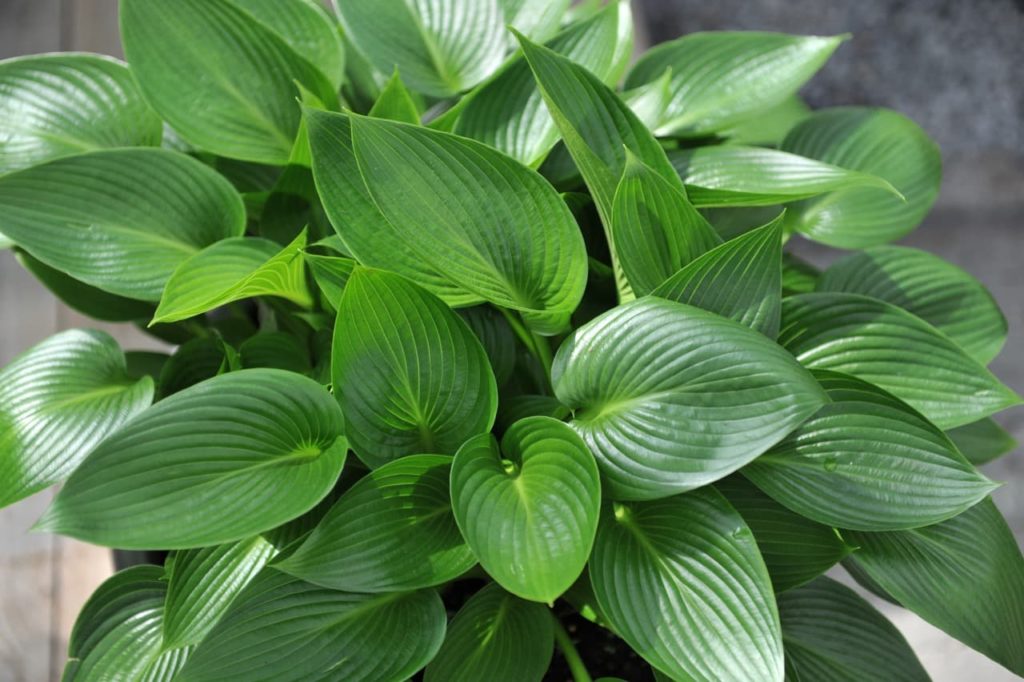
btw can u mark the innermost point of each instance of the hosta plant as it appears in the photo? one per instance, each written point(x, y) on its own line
point(491, 362)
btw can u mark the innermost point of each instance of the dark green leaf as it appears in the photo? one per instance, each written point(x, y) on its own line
point(275, 349)
point(195, 361)
point(514, 408)
point(982, 441)
point(495, 336)
point(798, 276)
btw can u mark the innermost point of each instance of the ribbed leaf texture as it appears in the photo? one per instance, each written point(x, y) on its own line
point(982, 441)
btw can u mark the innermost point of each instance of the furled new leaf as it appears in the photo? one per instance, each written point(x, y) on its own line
point(982, 441)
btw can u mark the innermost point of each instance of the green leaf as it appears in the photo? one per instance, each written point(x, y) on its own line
point(392, 530)
point(496, 337)
point(395, 103)
point(222, 79)
point(233, 269)
point(282, 629)
point(876, 141)
point(982, 441)
point(830, 633)
point(798, 276)
point(223, 460)
point(938, 292)
point(280, 350)
point(194, 361)
point(895, 350)
point(681, 580)
point(331, 274)
point(518, 407)
point(133, 216)
point(58, 400)
point(741, 280)
point(795, 549)
point(731, 175)
point(721, 78)
point(769, 126)
point(409, 374)
point(650, 100)
point(55, 105)
point(868, 461)
point(964, 576)
point(538, 19)
point(496, 637)
point(655, 230)
point(669, 397)
point(529, 509)
point(441, 46)
point(202, 583)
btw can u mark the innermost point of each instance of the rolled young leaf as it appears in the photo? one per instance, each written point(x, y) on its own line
point(681, 580)
point(895, 350)
point(409, 374)
point(529, 509)
point(226, 459)
point(497, 637)
point(868, 461)
point(982, 441)
point(58, 401)
point(133, 215)
point(669, 397)
point(54, 105)
point(393, 530)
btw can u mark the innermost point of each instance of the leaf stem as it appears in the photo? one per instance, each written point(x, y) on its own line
point(572, 656)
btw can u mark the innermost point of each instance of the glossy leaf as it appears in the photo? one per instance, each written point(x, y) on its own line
point(496, 637)
point(681, 580)
point(938, 292)
point(392, 530)
point(964, 576)
point(720, 78)
point(55, 105)
point(830, 633)
point(769, 126)
point(223, 460)
point(529, 509)
point(982, 441)
point(899, 352)
point(876, 141)
point(409, 374)
point(58, 401)
point(650, 100)
point(395, 103)
point(280, 629)
point(669, 397)
point(868, 461)
point(331, 274)
point(538, 19)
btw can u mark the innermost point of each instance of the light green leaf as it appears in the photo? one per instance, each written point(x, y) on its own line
point(795, 549)
point(223, 460)
point(529, 509)
point(982, 441)
point(721, 78)
point(224, 80)
point(395, 103)
point(964, 576)
point(741, 280)
point(392, 530)
point(441, 46)
point(54, 105)
point(669, 397)
point(732, 175)
point(331, 274)
point(133, 216)
point(58, 400)
point(868, 461)
point(895, 350)
point(830, 633)
point(877, 141)
point(769, 126)
point(495, 637)
point(938, 292)
point(681, 580)
point(280, 629)
point(233, 269)
point(409, 374)
point(650, 100)
point(537, 19)
point(655, 230)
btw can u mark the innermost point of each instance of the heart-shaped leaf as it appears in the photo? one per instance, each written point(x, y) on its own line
point(681, 580)
point(876, 141)
point(133, 215)
point(223, 460)
point(496, 637)
point(964, 576)
point(528, 510)
point(55, 105)
point(409, 374)
point(831, 633)
point(58, 400)
point(982, 441)
point(283, 629)
point(895, 350)
point(392, 530)
point(720, 78)
point(938, 292)
point(669, 397)
point(868, 461)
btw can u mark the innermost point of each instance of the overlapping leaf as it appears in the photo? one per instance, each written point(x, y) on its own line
point(395, 103)
point(195, 361)
point(496, 337)
point(538, 19)
point(982, 441)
